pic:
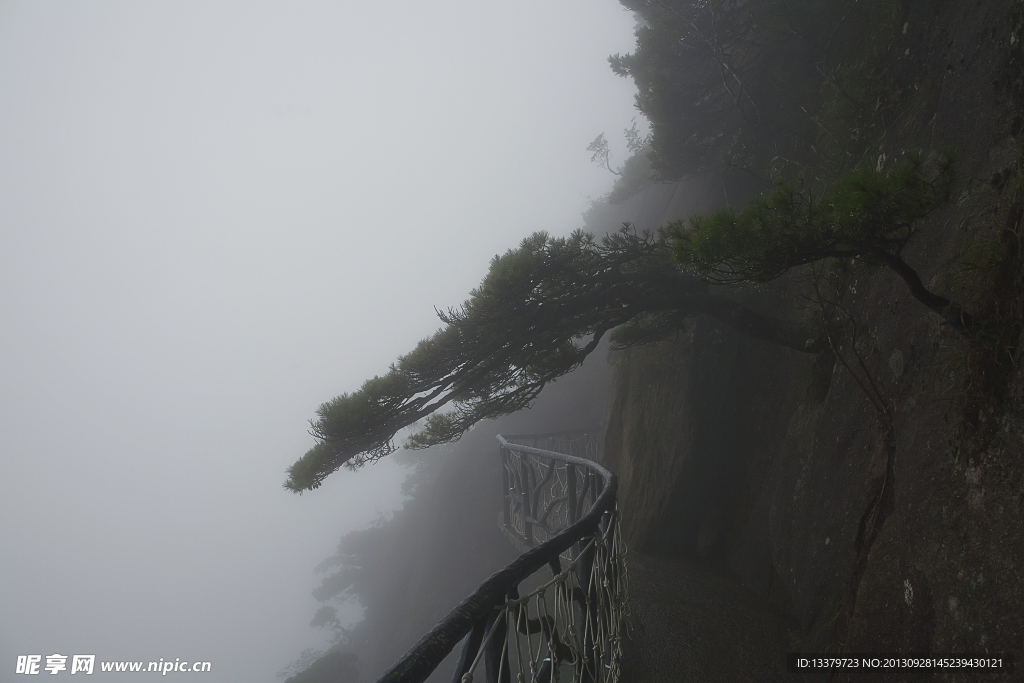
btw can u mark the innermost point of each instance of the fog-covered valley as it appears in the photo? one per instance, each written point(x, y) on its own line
point(216, 216)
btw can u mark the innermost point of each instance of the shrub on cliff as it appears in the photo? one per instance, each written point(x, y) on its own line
point(869, 214)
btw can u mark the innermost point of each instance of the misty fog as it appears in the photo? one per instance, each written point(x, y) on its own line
point(215, 216)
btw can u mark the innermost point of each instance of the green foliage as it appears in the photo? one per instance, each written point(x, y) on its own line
point(541, 309)
point(739, 82)
point(868, 214)
point(545, 306)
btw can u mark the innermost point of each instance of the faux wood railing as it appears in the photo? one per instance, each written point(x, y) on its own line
point(556, 612)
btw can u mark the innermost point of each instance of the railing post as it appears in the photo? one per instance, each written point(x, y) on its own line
point(505, 488)
point(589, 485)
point(469, 650)
point(570, 481)
point(524, 476)
point(496, 666)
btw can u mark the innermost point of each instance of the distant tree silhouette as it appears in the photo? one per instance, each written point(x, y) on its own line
point(601, 153)
point(732, 81)
point(334, 667)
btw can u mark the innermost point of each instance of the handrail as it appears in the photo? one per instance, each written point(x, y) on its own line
point(477, 612)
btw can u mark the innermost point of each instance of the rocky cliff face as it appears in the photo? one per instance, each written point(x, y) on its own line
point(774, 468)
point(873, 493)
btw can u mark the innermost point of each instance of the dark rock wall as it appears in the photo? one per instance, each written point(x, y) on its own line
point(774, 468)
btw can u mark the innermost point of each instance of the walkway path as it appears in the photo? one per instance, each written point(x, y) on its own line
point(687, 625)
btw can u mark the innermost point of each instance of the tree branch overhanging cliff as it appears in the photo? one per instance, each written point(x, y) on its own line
point(869, 214)
point(541, 310)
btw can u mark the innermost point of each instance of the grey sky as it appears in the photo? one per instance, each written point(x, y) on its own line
point(213, 217)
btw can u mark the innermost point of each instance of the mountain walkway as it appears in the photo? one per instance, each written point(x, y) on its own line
point(685, 624)
point(599, 614)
